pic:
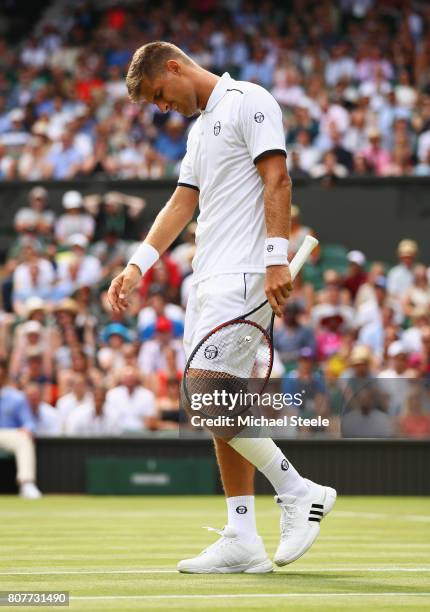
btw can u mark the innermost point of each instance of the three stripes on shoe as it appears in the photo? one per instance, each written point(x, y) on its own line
point(316, 512)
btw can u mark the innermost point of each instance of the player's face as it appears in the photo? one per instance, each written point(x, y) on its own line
point(171, 91)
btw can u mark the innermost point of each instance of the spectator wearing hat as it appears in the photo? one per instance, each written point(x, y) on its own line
point(412, 337)
point(401, 277)
point(393, 380)
point(79, 269)
point(46, 417)
point(16, 429)
point(292, 336)
point(329, 335)
point(130, 404)
point(156, 307)
point(116, 335)
point(152, 357)
point(374, 154)
point(74, 220)
point(356, 274)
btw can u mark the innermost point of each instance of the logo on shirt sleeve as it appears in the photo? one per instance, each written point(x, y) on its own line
point(259, 117)
point(217, 128)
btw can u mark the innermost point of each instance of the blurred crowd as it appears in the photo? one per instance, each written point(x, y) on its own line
point(355, 335)
point(352, 78)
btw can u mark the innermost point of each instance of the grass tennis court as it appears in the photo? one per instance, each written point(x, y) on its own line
point(120, 554)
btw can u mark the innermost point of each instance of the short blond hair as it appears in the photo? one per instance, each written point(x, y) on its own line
point(148, 62)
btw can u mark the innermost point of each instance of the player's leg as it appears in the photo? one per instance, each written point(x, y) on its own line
point(237, 475)
point(303, 503)
point(239, 548)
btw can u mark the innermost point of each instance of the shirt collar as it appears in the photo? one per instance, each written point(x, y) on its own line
point(218, 92)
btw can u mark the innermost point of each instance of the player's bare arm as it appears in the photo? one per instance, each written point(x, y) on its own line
point(277, 204)
point(168, 224)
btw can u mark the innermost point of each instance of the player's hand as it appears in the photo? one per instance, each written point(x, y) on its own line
point(278, 287)
point(121, 287)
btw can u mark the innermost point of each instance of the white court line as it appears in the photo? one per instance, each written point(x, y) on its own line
point(173, 571)
point(425, 518)
point(247, 596)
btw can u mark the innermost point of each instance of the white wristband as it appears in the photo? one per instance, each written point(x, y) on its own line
point(275, 252)
point(144, 257)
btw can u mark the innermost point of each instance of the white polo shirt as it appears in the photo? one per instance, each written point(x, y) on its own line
point(241, 123)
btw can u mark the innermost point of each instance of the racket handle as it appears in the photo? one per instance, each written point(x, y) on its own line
point(302, 255)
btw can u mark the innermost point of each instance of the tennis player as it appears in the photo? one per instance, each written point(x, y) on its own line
point(235, 170)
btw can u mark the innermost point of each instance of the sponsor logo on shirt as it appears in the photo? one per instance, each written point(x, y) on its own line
point(217, 128)
point(259, 117)
point(211, 351)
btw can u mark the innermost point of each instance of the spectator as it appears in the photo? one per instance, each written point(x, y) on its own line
point(36, 217)
point(94, 419)
point(74, 221)
point(78, 270)
point(168, 405)
point(414, 421)
point(367, 418)
point(356, 275)
point(329, 168)
point(16, 429)
point(45, 416)
point(132, 404)
point(401, 277)
point(69, 403)
point(393, 380)
point(293, 336)
point(171, 143)
point(64, 160)
point(374, 154)
point(34, 277)
point(305, 380)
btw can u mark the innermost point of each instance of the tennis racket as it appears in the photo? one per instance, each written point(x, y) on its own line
point(231, 355)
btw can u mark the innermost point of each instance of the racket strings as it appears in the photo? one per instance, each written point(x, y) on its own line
point(226, 361)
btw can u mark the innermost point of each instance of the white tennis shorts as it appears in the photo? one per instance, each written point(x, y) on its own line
point(220, 298)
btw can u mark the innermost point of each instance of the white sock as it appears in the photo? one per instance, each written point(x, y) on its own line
point(241, 515)
point(271, 461)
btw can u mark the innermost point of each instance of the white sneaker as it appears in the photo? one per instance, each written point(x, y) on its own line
point(300, 520)
point(231, 554)
point(28, 490)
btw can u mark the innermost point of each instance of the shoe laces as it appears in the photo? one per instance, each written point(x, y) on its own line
point(288, 515)
point(226, 538)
